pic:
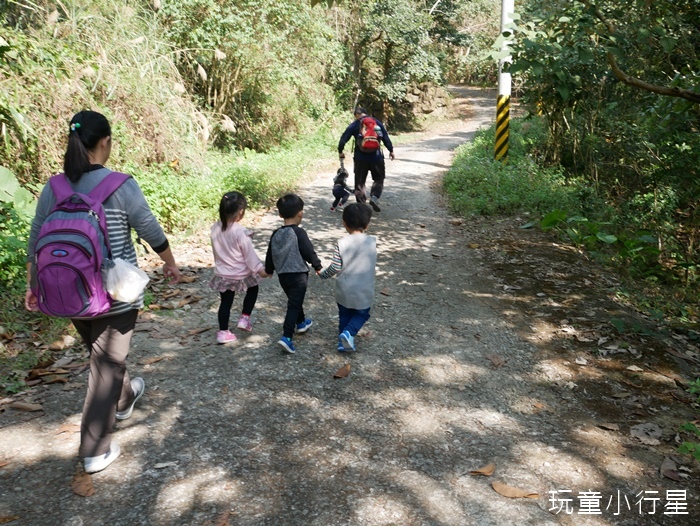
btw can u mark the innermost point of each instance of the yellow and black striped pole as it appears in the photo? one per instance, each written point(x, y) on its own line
point(503, 101)
point(502, 121)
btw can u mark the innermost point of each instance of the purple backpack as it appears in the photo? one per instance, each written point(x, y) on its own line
point(72, 249)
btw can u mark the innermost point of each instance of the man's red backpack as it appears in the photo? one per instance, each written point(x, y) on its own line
point(368, 140)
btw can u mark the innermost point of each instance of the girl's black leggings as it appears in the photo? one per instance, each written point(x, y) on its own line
point(251, 296)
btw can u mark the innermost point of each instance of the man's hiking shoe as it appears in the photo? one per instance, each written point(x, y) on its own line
point(244, 323)
point(287, 345)
point(138, 386)
point(347, 341)
point(225, 337)
point(95, 464)
point(374, 203)
point(304, 326)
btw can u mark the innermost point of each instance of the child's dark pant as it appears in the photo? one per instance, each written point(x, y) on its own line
point(251, 296)
point(294, 286)
point(340, 194)
point(378, 172)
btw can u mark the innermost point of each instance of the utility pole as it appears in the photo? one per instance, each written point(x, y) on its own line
point(504, 84)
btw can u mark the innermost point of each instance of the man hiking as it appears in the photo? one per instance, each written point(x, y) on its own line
point(368, 156)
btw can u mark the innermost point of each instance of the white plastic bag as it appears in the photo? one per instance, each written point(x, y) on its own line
point(125, 282)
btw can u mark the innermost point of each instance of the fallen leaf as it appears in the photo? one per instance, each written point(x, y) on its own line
point(222, 520)
point(9, 518)
point(58, 345)
point(164, 465)
point(68, 428)
point(49, 373)
point(154, 306)
point(25, 406)
point(635, 369)
point(610, 427)
point(456, 222)
point(622, 395)
point(343, 371)
point(149, 361)
point(513, 493)
point(669, 470)
point(55, 379)
point(487, 470)
point(171, 294)
point(197, 331)
point(187, 279)
point(385, 292)
point(82, 483)
point(581, 361)
point(647, 433)
point(473, 245)
point(496, 360)
point(4, 463)
point(421, 225)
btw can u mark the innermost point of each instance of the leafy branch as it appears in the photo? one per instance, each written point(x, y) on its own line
point(633, 81)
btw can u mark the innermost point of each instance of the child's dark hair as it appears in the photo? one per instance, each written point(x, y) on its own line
point(85, 131)
point(231, 204)
point(289, 205)
point(357, 216)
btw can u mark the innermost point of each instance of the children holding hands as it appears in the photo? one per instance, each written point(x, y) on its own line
point(354, 261)
point(237, 266)
point(288, 253)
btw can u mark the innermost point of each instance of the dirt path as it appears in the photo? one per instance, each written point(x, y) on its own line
point(487, 344)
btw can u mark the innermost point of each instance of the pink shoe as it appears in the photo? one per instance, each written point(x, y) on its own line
point(244, 323)
point(225, 337)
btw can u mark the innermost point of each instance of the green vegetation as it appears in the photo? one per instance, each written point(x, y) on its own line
point(691, 446)
point(609, 155)
point(203, 97)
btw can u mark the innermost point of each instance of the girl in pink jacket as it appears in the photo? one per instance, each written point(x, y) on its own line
point(237, 267)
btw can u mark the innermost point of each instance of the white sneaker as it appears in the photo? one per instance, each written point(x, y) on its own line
point(95, 464)
point(138, 386)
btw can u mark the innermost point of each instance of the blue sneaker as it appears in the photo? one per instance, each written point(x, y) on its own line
point(347, 341)
point(340, 346)
point(304, 326)
point(287, 344)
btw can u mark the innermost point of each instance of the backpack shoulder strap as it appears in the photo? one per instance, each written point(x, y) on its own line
point(108, 186)
point(61, 187)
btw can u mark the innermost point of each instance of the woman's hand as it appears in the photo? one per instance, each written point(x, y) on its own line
point(30, 301)
point(171, 272)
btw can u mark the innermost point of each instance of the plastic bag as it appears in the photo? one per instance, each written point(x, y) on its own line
point(124, 281)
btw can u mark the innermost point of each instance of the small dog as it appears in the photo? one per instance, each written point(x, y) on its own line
point(341, 191)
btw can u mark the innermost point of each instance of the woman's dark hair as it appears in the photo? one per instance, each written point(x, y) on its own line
point(357, 216)
point(231, 204)
point(290, 205)
point(85, 131)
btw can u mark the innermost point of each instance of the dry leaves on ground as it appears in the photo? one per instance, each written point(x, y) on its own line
point(496, 360)
point(68, 428)
point(82, 483)
point(486, 471)
point(343, 371)
point(26, 406)
point(512, 492)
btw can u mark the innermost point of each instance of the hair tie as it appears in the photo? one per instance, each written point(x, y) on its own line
point(74, 126)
